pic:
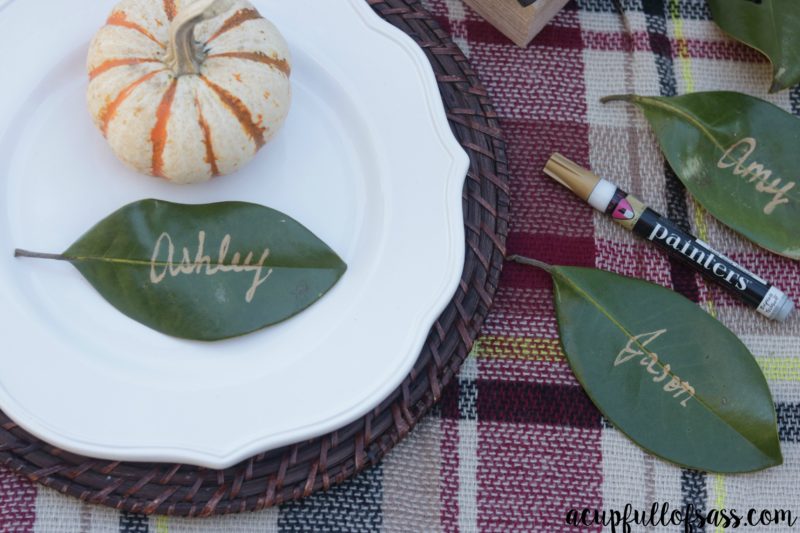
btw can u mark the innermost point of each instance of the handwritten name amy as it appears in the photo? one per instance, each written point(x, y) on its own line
point(195, 264)
point(738, 156)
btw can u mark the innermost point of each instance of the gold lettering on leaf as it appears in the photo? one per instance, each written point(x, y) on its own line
point(160, 269)
point(642, 340)
point(665, 371)
point(649, 359)
point(737, 157)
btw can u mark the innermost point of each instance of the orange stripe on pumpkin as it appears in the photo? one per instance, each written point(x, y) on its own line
point(170, 9)
point(240, 111)
point(211, 158)
point(118, 18)
point(159, 134)
point(238, 18)
point(113, 63)
point(110, 111)
point(260, 57)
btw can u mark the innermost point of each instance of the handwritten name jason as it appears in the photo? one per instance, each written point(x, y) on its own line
point(737, 157)
point(650, 360)
point(189, 264)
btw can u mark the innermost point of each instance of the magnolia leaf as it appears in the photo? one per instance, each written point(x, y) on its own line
point(667, 374)
point(204, 272)
point(769, 26)
point(738, 156)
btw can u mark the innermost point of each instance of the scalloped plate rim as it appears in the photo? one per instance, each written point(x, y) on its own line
point(459, 164)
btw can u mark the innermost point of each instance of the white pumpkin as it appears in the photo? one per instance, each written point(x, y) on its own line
point(188, 90)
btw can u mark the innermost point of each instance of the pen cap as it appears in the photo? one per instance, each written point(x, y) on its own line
point(572, 176)
point(786, 309)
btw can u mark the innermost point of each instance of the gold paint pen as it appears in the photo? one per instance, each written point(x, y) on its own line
point(632, 214)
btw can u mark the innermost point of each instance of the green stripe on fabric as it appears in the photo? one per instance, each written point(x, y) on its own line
point(530, 349)
point(780, 368)
point(162, 524)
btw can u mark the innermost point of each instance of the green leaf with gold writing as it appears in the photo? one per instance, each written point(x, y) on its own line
point(204, 272)
point(739, 158)
point(667, 374)
point(769, 26)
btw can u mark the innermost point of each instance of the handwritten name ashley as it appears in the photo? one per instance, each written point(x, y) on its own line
point(189, 264)
point(737, 158)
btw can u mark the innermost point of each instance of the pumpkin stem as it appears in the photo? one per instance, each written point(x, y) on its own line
point(185, 55)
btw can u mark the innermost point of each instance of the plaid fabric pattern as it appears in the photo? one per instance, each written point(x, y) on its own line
point(515, 442)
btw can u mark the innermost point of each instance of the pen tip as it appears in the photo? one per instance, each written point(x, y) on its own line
point(571, 175)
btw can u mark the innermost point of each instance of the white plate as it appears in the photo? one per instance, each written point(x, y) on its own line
point(366, 161)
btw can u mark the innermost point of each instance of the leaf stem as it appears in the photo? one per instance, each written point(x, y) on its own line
point(37, 255)
point(531, 262)
point(618, 98)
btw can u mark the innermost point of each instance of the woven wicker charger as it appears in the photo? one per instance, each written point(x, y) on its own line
point(297, 471)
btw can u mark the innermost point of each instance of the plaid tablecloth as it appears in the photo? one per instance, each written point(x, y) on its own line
point(515, 442)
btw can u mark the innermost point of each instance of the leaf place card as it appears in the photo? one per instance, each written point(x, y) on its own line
point(667, 374)
point(738, 155)
point(769, 26)
point(204, 272)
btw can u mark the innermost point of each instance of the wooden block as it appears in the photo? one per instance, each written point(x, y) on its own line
point(519, 20)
